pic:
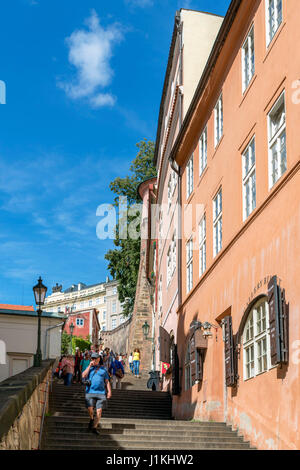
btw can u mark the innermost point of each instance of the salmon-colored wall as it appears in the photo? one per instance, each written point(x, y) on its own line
point(264, 408)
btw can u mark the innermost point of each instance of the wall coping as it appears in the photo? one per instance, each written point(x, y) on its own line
point(118, 328)
point(16, 391)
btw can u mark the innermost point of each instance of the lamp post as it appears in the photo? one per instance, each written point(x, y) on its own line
point(71, 331)
point(39, 293)
point(153, 382)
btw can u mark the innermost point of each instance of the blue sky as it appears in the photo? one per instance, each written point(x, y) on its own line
point(84, 82)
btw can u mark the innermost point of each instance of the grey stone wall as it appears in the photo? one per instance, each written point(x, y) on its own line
point(117, 339)
point(21, 405)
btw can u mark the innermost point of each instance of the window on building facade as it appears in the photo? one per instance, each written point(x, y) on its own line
point(189, 265)
point(277, 141)
point(174, 253)
point(202, 246)
point(103, 328)
point(113, 323)
point(104, 299)
point(203, 151)
point(104, 315)
point(79, 322)
point(174, 181)
point(190, 177)
point(115, 291)
point(249, 179)
point(170, 192)
point(219, 120)
point(256, 341)
point(217, 222)
point(248, 59)
point(98, 301)
point(114, 307)
point(169, 266)
point(90, 303)
point(160, 296)
point(188, 369)
point(273, 18)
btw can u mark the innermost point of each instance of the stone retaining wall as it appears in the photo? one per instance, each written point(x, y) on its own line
point(117, 339)
point(21, 406)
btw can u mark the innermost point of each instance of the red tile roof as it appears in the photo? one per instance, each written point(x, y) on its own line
point(24, 308)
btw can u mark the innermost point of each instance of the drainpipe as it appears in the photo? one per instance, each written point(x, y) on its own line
point(46, 335)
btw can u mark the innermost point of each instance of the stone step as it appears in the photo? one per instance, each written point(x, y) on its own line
point(155, 445)
point(53, 432)
point(140, 423)
point(119, 439)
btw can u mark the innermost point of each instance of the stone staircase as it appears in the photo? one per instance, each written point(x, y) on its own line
point(136, 418)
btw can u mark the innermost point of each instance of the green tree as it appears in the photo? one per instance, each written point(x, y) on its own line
point(65, 342)
point(124, 260)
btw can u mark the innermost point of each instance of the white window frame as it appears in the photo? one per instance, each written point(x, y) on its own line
point(219, 120)
point(203, 151)
point(169, 265)
point(275, 142)
point(113, 323)
point(190, 177)
point(249, 179)
point(80, 322)
point(174, 253)
point(189, 265)
point(170, 192)
point(248, 59)
point(277, 19)
point(255, 339)
point(218, 222)
point(174, 181)
point(202, 246)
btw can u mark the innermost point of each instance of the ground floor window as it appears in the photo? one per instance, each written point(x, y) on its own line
point(256, 341)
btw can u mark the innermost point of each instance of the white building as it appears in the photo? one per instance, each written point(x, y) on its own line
point(18, 338)
point(103, 297)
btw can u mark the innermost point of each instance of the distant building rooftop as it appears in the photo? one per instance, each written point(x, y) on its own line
point(25, 311)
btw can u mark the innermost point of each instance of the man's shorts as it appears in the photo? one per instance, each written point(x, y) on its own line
point(94, 400)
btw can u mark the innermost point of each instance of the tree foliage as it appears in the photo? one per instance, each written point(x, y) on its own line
point(124, 260)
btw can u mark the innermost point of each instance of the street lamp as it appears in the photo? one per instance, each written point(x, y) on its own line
point(71, 331)
point(153, 382)
point(39, 294)
point(146, 329)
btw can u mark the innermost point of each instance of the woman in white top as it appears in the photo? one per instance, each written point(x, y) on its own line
point(130, 361)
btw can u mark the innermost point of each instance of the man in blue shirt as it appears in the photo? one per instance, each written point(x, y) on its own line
point(95, 393)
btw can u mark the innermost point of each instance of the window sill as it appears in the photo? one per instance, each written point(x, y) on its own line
point(273, 41)
point(190, 197)
point(202, 176)
point(218, 145)
point(246, 92)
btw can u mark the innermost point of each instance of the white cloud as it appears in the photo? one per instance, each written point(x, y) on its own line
point(90, 52)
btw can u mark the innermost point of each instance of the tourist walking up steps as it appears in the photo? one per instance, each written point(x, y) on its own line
point(130, 362)
point(78, 359)
point(67, 366)
point(117, 372)
point(136, 362)
point(97, 379)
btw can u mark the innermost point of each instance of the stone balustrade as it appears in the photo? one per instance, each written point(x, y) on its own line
point(22, 400)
